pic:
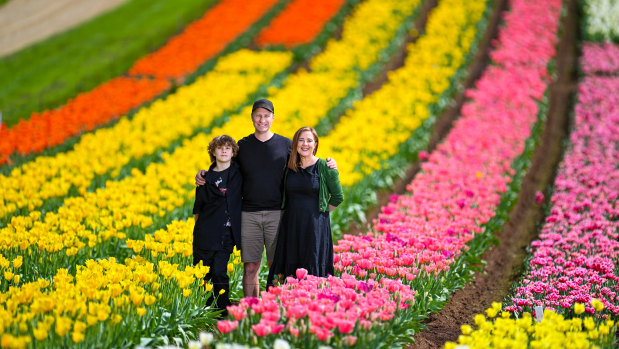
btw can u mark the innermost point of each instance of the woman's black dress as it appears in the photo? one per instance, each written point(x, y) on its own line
point(304, 238)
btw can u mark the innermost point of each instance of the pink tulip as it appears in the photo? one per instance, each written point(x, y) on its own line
point(345, 326)
point(237, 311)
point(226, 326)
point(539, 197)
point(261, 329)
point(301, 273)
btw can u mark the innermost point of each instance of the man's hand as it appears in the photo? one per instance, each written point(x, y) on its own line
point(331, 163)
point(199, 179)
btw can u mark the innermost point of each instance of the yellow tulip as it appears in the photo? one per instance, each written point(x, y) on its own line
point(8, 275)
point(77, 336)
point(597, 304)
point(40, 333)
point(17, 262)
point(63, 325)
point(579, 308)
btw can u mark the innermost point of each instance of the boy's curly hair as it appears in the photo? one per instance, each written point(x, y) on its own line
point(221, 141)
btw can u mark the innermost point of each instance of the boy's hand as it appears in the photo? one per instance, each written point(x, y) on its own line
point(331, 163)
point(199, 178)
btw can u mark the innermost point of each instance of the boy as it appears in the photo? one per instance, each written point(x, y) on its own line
point(217, 212)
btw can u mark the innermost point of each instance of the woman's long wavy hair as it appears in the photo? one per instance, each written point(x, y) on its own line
point(295, 159)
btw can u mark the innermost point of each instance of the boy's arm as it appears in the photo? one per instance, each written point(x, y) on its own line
point(195, 217)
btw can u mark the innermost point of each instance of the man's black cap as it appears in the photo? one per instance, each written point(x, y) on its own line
point(263, 103)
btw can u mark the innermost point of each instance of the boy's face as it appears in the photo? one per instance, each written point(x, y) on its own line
point(224, 153)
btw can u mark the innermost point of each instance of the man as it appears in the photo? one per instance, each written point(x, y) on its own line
point(263, 157)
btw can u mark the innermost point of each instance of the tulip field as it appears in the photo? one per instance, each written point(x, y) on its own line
point(96, 192)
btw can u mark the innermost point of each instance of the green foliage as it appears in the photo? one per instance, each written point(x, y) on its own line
point(45, 75)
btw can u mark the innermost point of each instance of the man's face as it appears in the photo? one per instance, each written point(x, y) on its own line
point(262, 120)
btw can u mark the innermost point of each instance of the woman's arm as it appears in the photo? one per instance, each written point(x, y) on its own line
point(335, 189)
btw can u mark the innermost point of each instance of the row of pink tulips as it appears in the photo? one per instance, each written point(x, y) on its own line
point(600, 57)
point(574, 259)
point(322, 307)
point(460, 185)
point(457, 192)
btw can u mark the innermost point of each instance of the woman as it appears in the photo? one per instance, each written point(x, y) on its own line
point(311, 190)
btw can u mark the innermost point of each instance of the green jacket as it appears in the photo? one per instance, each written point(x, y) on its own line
point(330, 192)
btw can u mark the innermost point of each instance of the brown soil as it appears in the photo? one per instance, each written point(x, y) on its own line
point(397, 60)
point(24, 22)
point(505, 262)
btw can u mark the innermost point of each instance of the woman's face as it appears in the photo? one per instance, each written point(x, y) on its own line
point(306, 144)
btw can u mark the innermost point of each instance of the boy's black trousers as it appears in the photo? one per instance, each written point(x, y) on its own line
point(217, 275)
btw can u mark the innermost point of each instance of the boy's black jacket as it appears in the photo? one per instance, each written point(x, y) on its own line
point(212, 218)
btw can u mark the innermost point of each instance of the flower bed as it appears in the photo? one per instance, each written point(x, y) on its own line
point(548, 330)
point(302, 13)
point(186, 58)
point(419, 237)
point(459, 188)
point(94, 225)
point(601, 20)
point(570, 285)
point(574, 260)
point(48, 73)
point(151, 129)
point(181, 57)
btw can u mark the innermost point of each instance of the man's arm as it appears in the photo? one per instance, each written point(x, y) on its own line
point(331, 163)
point(199, 178)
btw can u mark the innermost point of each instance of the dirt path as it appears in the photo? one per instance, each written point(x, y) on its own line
point(505, 262)
point(24, 22)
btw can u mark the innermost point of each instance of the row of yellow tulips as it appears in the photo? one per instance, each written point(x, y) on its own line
point(102, 294)
point(374, 129)
point(546, 330)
